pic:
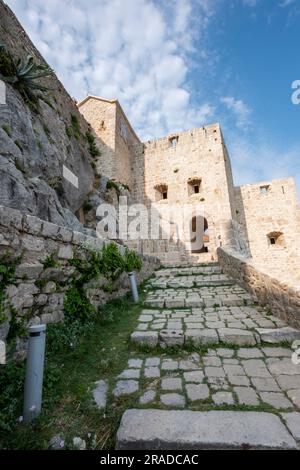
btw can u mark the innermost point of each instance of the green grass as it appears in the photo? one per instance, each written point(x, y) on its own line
point(68, 409)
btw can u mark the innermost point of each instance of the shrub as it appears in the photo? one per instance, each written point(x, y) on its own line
point(93, 149)
point(112, 262)
point(132, 261)
point(77, 306)
point(75, 126)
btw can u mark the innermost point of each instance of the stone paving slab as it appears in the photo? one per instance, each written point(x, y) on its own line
point(257, 382)
point(243, 360)
point(192, 430)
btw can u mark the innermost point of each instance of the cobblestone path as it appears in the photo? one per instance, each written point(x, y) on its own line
point(215, 360)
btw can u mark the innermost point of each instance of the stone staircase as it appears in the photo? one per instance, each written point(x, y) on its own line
point(239, 388)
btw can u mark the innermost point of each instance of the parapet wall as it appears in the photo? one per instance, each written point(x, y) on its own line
point(36, 293)
point(283, 300)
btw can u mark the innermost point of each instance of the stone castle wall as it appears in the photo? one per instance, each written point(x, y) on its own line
point(264, 211)
point(282, 299)
point(197, 155)
point(117, 141)
point(37, 293)
point(238, 217)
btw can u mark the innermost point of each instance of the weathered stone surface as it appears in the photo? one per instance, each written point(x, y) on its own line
point(278, 335)
point(148, 338)
point(256, 368)
point(130, 374)
point(135, 363)
point(100, 394)
point(249, 353)
point(246, 396)
point(79, 443)
point(169, 365)
point(294, 395)
point(171, 384)
point(202, 337)
point(30, 271)
point(265, 384)
point(152, 372)
point(284, 367)
point(277, 400)
point(196, 376)
point(57, 442)
point(223, 398)
point(125, 387)
point(173, 399)
point(194, 430)
point(148, 397)
point(171, 338)
point(292, 421)
point(236, 336)
point(197, 392)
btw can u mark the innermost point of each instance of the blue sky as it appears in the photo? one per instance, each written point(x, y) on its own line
point(179, 64)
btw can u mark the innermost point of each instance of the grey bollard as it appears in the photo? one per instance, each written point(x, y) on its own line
point(34, 373)
point(133, 285)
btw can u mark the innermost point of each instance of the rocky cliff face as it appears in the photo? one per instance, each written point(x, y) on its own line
point(34, 145)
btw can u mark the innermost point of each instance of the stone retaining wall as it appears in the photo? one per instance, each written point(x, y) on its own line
point(37, 293)
point(282, 299)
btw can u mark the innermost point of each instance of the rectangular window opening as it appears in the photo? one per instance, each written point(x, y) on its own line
point(264, 189)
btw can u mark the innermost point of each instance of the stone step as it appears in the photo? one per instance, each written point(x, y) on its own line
point(211, 336)
point(195, 430)
point(200, 302)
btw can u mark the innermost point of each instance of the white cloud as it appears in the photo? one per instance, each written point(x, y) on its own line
point(139, 51)
point(286, 3)
point(261, 160)
point(240, 110)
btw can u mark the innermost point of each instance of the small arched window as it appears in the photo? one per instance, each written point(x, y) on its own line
point(275, 239)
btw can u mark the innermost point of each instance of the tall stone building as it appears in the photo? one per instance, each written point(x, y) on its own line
point(189, 173)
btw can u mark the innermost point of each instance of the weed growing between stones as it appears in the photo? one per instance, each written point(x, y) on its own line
point(7, 272)
point(50, 262)
point(93, 149)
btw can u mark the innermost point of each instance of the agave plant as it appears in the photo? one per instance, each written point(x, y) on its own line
point(23, 74)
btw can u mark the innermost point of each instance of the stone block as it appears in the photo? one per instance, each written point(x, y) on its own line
point(146, 338)
point(173, 399)
point(292, 421)
point(201, 337)
point(170, 338)
point(65, 252)
point(195, 430)
point(236, 336)
point(125, 387)
point(278, 335)
point(100, 394)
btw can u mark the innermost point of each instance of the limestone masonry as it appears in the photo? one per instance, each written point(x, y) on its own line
point(192, 169)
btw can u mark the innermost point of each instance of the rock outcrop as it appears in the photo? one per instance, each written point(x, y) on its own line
point(34, 145)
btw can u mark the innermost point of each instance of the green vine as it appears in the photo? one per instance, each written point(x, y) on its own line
point(93, 149)
point(7, 273)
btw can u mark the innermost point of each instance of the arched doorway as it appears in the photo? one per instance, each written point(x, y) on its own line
point(199, 235)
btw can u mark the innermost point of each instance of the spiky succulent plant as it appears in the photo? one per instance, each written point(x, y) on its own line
point(23, 74)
